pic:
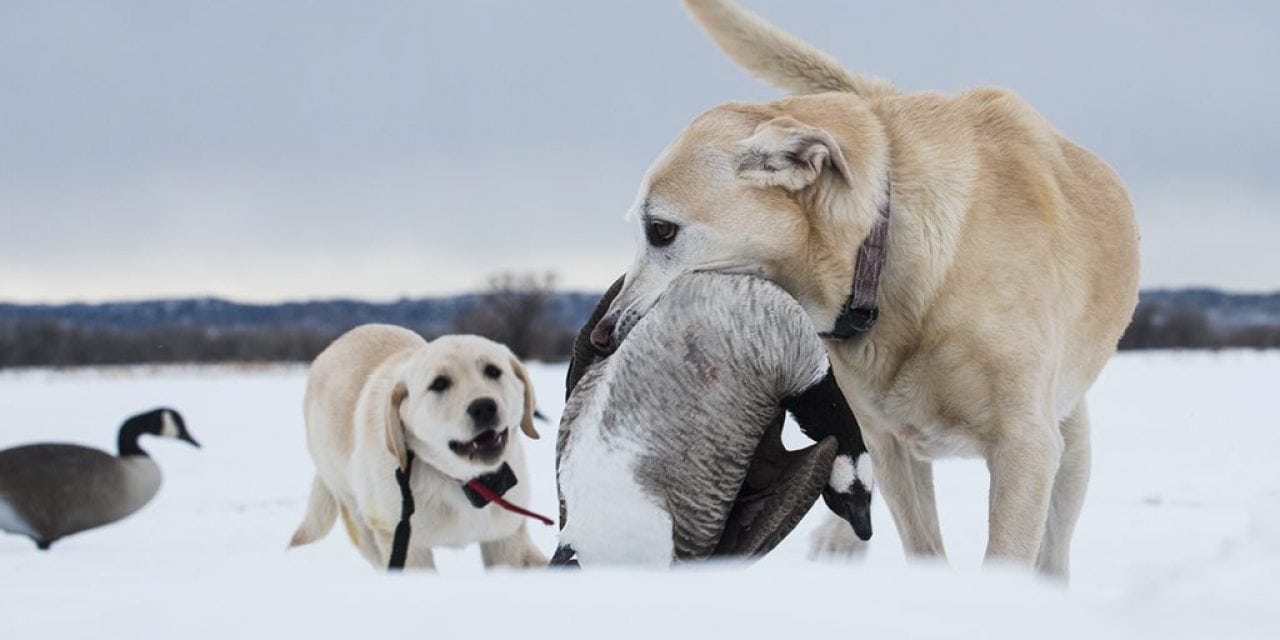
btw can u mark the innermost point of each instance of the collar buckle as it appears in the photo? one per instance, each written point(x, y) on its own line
point(851, 322)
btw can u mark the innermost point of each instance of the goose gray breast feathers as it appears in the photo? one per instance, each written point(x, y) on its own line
point(49, 491)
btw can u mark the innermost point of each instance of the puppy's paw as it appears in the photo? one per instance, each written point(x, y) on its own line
point(835, 540)
point(533, 558)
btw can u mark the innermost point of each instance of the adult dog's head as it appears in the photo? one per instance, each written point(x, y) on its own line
point(456, 402)
point(784, 190)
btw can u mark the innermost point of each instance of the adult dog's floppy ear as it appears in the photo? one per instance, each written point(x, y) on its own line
point(530, 400)
point(395, 428)
point(785, 152)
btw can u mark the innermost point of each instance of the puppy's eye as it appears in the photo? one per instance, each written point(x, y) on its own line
point(440, 383)
point(660, 232)
point(492, 372)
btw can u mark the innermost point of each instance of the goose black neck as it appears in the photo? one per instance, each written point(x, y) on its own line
point(128, 439)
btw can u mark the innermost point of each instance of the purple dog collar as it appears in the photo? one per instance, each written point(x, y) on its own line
point(862, 308)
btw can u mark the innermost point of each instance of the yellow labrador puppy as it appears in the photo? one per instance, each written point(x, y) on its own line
point(379, 392)
point(971, 267)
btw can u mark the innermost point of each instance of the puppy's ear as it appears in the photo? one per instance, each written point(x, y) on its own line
point(530, 400)
point(395, 428)
point(785, 152)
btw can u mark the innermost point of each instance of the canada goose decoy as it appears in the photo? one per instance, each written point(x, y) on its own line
point(670, 447)
point(49, 491)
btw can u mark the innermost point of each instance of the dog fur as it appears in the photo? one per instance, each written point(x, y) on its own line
point(368, 399)
point(1011, 272)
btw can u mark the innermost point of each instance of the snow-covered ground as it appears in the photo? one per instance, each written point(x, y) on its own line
point(1180, 536)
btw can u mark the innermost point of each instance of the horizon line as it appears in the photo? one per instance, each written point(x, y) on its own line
point(460, 294)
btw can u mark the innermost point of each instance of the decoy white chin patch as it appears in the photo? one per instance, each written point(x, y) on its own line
point(845, 470)
point(843, 473)
point(168, 428)
point(862, 469)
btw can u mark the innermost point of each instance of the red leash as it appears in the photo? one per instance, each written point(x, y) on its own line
point(489, 495)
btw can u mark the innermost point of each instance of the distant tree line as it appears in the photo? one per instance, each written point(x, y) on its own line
point(515, 309)
point(1154, 327)
point(36, 342)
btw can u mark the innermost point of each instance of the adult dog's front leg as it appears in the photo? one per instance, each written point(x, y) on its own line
point(515, 550)
point(1022, 464)
point(914, 514)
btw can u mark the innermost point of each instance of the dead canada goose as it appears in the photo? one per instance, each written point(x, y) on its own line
point(669, 448)
point(49, 491)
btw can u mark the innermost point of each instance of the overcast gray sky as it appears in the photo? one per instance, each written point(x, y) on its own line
point(298, 149)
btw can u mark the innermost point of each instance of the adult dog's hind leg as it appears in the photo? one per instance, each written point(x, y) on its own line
point(1023, 463)
point(1069, 487)
point(515, 550)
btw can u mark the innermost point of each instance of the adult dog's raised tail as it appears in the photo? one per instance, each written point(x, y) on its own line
point(776, 56)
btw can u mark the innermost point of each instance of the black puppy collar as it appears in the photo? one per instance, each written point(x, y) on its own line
point(499, 482)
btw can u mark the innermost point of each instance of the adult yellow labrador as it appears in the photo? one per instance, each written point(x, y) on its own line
point(971, 267)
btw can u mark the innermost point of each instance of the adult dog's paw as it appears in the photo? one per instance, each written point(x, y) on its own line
point(834, 540)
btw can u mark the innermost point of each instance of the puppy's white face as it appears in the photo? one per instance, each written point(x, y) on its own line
point(465, 399)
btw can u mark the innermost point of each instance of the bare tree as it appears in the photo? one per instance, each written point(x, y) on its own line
point(515, 310)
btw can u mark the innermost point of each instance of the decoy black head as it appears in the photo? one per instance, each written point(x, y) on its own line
point(848, 494)
point(166, 423)
point(163, 422)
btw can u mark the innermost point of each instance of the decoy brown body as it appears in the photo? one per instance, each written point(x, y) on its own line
point(50, 491)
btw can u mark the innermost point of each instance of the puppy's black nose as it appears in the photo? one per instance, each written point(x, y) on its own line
point(484, 411)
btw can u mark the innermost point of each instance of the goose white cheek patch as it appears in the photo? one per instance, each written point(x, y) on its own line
point(846, 470)
point(169, 428)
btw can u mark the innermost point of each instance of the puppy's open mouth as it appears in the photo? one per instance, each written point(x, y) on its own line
point(485, 447)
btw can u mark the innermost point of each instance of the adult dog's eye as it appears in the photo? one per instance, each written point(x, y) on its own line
point(660, 232)
point(440, 383)
point(492, 372)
